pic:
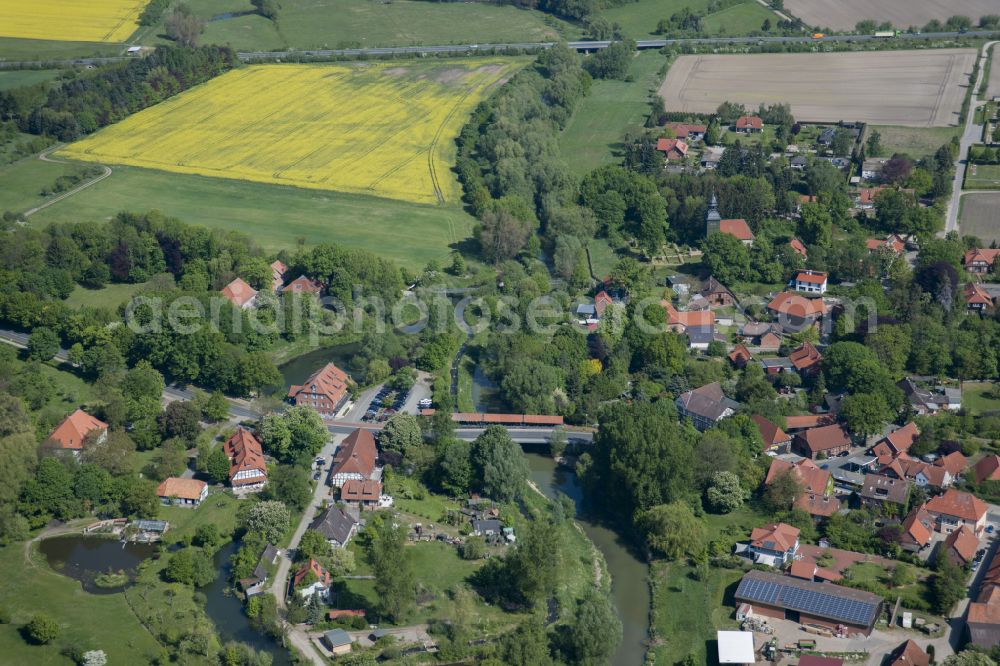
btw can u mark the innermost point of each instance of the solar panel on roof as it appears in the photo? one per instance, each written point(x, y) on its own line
point(813, 602)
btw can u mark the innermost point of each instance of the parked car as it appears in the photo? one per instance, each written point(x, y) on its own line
point(989, 529)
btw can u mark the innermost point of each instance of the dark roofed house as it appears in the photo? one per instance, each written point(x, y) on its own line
point(337, 525)
point(809, 603)
point(717, 294)
point(706, 406)
point(338, 641)
point(878, 490)
point(830, 440)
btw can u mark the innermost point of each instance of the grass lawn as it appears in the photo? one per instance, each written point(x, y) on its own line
point(593, 137)
point(917, 142)
point(92, 621)
point(730, 137)
point(976, 398)
point(412, 497)
point(42, 49)
point(982, 177)
point(26, 77)
point(274, 216)
point(739, 19)
point(73, 391)
point(219, 510)
point(687, 612)
point(306, 24)
point(23, 182)
point(602, 257)
point(466, 368)
point(110, 296)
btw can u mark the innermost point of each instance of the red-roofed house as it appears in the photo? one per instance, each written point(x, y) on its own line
point(980, 260)
point(303, 285)
point(674, 149)
point(918, 528)
point(689, 132)
point(601, 302)
point(312, 578)
point(796, 308)
point(70, 434)
point(326, 391)
point(278, 270)
point(831, 440)
point(363, 493)
point(955, 463)
point(796, 423)
point(774, 437)
point(749, 124)
point(956, 508)
point(894, 243)
point(240, 294)
point(813, 479)
point(961, 546)
point(355, 458)
point(799, 248)
point(976, 298)
point(812, 660)
point(806, 359)
point(809, 282)
point(737, 228)
point(817, 506)
point(182, 492)
point(248, 469)
point(774, 545)
point(987, 469)
point(897, 442)
point(923, 474)
point(740, 356)
point(907, 654)
point(679, 321)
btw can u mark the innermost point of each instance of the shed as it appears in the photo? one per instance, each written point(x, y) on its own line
point(736, 647)
point(338, 641)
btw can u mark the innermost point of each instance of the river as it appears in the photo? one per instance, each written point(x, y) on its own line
point(629, 587)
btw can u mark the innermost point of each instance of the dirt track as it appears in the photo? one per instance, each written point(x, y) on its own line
point(844, 14)
point(911, 88)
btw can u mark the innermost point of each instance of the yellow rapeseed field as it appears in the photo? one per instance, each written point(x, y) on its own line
point(70, 20)
point(382, 129)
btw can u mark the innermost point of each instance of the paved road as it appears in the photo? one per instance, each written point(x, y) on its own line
point(279, 585)
point(509, 46)
point(973, 134)
point(44, 156)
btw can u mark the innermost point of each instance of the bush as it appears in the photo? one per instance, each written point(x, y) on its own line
point(41, 629)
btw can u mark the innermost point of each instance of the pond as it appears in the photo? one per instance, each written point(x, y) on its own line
point(226, 610)
point(629, 586)
point(298, 369)
point(84, 558)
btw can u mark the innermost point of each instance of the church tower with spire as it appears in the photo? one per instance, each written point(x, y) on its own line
point(713, 221)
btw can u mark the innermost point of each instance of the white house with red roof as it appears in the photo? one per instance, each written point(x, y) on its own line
point(980, 260)
point(809, 281)
point(955, 508)
point(71, 432)
point(240, 294)
point(248, 469)
point(773, 545)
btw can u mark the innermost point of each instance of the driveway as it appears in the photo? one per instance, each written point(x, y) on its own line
point(360, 407)
point(421, 389)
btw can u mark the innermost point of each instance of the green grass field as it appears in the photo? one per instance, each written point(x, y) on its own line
point(687, 612)
point(219, 510)
point(23, 182)
point(978, 215)
point(638, 19)
point(26, 77)
point(92, 621)
point(41, 49)
point(917, 142)
point(110, 296)
point(976, 398)
point(306, 24)
point(593, 136)
point(982, 177)
point(274, 216)
point(602, 257)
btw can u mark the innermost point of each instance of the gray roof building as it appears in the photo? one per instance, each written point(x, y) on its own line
point(336, 525)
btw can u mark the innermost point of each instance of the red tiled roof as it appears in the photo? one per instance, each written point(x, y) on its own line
point(278, 270)
point(810, 277)
point(917, 526)
point(813, 479)
point(740, 355)
point(74, 429)
point(687, 318)
point(817, 504)
point(303, 285)
point(988, 255)
point(954, 462)
point(893, 242)
point(671, 145)
point(737, 227)
point(812, 660)
point(245, 453)
point(356, 455)
point(365, 490)
point(187, 489)
point(329, 381)
point(901, 439)
point(866, 195)
point(908, 654)
point(988, 469)
point(964, 543)
point(322, 575)
point(799, 248)
point(808, 421)
point(976, 295)
point(959, 504)
point(238, 292)
point(794, 305)
point(770, 433)
point(776, 536)
point(805, 357)
point(753, 122)
point(681, 130)
point(825, 438)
